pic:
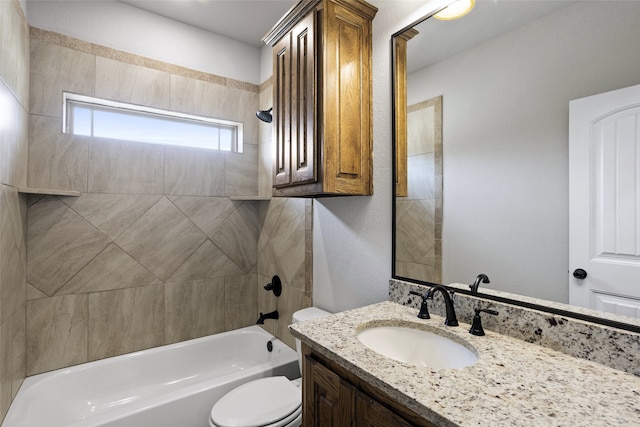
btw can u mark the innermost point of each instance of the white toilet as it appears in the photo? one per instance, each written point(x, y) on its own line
point(266, 402)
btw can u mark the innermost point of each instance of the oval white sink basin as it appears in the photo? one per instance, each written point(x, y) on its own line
point(417, 347)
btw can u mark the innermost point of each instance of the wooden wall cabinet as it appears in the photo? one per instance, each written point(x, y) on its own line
point(400, 103)
point(334, 397)
point(322, 130)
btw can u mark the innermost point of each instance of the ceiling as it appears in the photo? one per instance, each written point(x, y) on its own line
point(437, 40)
point(244, 20)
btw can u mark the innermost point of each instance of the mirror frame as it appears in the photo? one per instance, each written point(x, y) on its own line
point(560, 309)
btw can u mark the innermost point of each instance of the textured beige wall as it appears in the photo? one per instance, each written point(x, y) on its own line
point(14, 94)
point(153, 251)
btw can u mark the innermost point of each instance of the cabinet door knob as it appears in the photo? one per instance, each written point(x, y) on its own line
point(579, 273)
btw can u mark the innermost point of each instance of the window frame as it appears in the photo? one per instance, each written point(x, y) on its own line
point(69, 97)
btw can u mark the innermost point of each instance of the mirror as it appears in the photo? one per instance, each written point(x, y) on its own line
point(494, 198)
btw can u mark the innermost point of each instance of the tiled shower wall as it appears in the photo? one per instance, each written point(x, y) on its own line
point(284, 245)
point(14, 96)
point(419, 214)
point(154, 251)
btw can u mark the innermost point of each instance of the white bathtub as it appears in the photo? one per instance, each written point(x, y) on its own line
point(170, 386)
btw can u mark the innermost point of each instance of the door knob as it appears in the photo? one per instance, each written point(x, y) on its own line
point(579, 273)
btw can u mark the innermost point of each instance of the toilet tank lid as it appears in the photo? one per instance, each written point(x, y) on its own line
point(309, 313)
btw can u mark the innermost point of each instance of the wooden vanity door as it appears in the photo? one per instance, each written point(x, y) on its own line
point(370, 413)
point(328, 400)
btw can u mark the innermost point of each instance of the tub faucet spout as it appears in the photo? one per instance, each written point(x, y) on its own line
point(272, 315)
point(451, 320)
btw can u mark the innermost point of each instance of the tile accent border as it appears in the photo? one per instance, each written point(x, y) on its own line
point(129, 58)
point(615, 348)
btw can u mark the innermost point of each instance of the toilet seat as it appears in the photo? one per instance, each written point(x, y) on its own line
point(267, 402)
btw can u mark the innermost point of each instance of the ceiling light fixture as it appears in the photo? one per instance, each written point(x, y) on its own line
point(455, 10)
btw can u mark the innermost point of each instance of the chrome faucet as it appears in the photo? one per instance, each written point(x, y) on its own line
point(451, 320)
point(481, 278)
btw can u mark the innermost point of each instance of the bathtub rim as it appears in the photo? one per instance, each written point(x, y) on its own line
point(288, 356)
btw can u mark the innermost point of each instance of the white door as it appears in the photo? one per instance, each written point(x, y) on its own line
point(604, 213)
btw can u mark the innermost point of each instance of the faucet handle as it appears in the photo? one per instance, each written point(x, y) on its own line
point(275, 286)
point(476, 326)
point(424, 310)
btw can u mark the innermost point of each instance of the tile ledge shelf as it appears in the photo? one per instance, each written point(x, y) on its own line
point(73, 193)
point(49, 192)
point(258, 198)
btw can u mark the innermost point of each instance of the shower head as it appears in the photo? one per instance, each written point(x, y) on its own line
point(265, 115)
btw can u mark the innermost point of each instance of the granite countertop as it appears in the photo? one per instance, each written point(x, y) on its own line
point(512, 383)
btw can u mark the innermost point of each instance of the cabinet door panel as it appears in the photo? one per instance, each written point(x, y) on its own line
point(370, 413)
point(328, 399)
point(282, 112)
point(347, 89)
point(303, 142)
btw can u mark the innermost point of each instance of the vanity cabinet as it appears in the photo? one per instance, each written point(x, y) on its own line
point(322, 136)
point(334, 397)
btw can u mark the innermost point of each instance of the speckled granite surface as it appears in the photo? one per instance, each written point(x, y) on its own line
point(513, 383)
point(612, 347)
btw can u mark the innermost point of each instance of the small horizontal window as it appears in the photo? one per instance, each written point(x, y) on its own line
point(88, 116)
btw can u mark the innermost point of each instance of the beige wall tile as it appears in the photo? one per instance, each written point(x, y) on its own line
point(111, 213)
point(208, 213)
point(241, 172)
point(194, 309)
point(55, 69)
point(162, 239)
point(13, 139)
point(283, 241)
point(282, 248)
point(294, 300)
point(5, 367)
point(34, 293)
point(267, 302)
point(56, 160)
point(242, 106)
point(12, 270)
point(123, 82)
point(111, 269)
point(265, 138)
point(414, 227)
point(59, 244)
point(125, 167)
point(14, 127)
point(194, 172)
point(17, 207)
point(238, 236)
point(12, 265)
point(56, 333)
point(18, 329)
point(241, 301)
point(125, 320)
point(198, 97)
point(207, 262)
point(14, 49)
point(12, 356)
